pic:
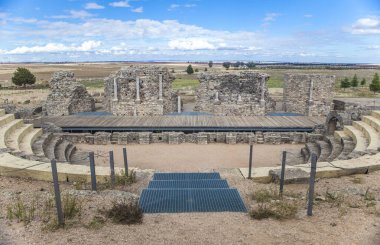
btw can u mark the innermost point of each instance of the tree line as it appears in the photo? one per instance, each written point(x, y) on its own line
point(374, 86)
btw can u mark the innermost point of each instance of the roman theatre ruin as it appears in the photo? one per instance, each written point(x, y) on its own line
point(139, 108)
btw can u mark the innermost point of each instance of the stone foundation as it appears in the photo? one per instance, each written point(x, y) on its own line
point(202, 138)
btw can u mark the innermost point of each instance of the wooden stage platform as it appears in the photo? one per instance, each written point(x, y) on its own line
point(77, 123)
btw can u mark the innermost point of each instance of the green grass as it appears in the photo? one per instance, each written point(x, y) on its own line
point(185, 83)
point(275, 82)
point(93, 83)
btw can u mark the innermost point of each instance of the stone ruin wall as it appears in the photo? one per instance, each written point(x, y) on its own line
point(202, 138)
point(308, 94)
point(67, 96)
point(228, 94)
point(135, 91)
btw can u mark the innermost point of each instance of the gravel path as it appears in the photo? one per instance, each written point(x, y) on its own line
point(191, 157)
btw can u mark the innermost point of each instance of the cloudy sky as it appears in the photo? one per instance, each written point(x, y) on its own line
point(190, 30)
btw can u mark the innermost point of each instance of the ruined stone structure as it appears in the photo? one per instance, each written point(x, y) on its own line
point(140, 91)
point(308, 94)
point(67, 96)
point(201, 138)
point(243, 94)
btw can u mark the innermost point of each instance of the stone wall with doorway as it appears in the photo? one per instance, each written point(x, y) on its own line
point(308, 94)
point(230, 94)
point(140, 91)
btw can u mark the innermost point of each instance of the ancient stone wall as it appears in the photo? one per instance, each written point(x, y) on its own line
point(123, 138)
point(308, 94)
point(67, 96)
point(349, 111)
point(140, 91)
point(242, 94)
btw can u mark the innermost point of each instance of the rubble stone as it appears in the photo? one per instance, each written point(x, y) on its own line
point(67, 96)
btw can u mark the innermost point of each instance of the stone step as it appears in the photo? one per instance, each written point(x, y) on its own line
point(370, 134)
point(324, 150)
point(340, 135)
point(79, 158)
point(348, 147)
point(2, 112)
point(313, 148)
point(69, 151)
point(373, 122)
point(7, 129)
point(50, 148)
point(14, 139)
point(305, 153)
point(5, 119)
point(60, 150)
point(358, 138)
point(375, 114)
point(41, 143)
point(27, 142)
point(336, 148)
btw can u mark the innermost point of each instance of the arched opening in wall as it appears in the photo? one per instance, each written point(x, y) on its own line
point(332, 125)
point(333, 122)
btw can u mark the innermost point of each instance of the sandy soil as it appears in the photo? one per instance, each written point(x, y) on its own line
point(329, 225)
point(190, 157)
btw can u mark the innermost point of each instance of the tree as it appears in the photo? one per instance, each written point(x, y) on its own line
point(189, 69)
point(205, 68)
point(210, 63)
point(354, 81)
point(345, 83)
point(196, 69)
point(375, 84)
point(227, 65)
point(251, 65)
point(363, 82)
point(22, 77)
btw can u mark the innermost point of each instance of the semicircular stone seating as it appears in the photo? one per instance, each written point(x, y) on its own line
point(28, 142)
point(26, 151)
point(362, 138)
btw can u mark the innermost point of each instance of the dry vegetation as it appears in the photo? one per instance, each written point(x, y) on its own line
point(346, 211)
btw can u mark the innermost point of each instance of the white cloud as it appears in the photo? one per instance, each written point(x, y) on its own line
point(120, 4)
point(308, 16)
point(55, 48)
point(190, 44)
point(370, 25)
point(74, 14)
point(138, 10)
point(173, 7)
point(269, 18)
point(93, 6)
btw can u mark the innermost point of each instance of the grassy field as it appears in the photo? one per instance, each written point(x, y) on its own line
point(92, 74)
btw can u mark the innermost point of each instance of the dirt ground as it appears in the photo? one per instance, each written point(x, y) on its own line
point(190, 157)
point(329, 224)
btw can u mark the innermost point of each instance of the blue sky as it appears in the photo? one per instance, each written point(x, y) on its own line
point(190, 30)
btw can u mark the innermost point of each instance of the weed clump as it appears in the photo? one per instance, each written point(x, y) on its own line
point(21, 211)
point(125, 179)
point(125, 212)
point(271, 205)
